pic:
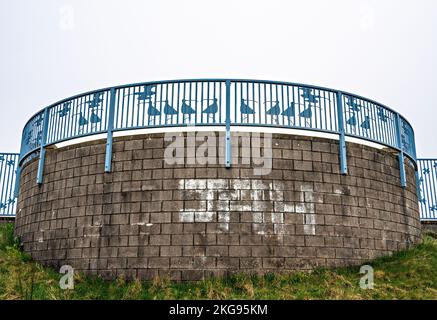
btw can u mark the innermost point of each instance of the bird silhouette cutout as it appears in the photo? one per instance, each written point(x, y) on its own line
point(96, 101)
point(169, 111)
point(94, 118)
point(32, 138)
point(10, 162)
point(274, 111)
point(381, 114)
point(28, 137)
point(306, 91)
point(312, 99)
point(146, 94)
point(2, 158)
point(421, 197)
point(65, 109)
point(426, 171)
point(186, 110)
point(309, 96)
point(245, 110)
point(39, 121)
point(353, 104)
point(352, 121)
point(82, 120)
point(152, 110)
point(211, 109)
point(366, 123)
point(290, 111)
point(306, 113)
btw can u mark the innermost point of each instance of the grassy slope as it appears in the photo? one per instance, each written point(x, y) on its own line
point(409, 274)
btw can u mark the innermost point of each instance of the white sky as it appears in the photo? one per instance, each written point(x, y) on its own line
point(384, 50)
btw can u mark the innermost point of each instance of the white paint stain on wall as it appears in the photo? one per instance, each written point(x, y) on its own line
point(307, 208)
point(309, 226)
point(204, 216)
point(224, 218)
point(198, 184)
point(186, 216)
point(219, 194)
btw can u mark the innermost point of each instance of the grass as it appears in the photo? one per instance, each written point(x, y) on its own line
point(410, 274)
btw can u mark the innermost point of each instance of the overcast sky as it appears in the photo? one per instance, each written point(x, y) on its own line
point(383, 50)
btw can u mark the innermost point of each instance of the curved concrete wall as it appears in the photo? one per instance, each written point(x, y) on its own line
point(192, 220)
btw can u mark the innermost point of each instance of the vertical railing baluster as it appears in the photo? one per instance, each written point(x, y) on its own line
point(342, 140)
point(42, 151)
point(401, 151)
point(228, 124)
point(110, 129)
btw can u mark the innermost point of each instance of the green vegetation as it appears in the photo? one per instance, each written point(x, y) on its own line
point(410, 274)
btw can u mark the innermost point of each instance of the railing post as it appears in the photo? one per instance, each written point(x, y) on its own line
point(17, 180)
point(401, 151)
point(42, 151)
point(228, 124)
point(342, 140)
point(108, 156)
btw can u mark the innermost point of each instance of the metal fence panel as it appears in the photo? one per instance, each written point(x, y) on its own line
point(427, 187)
point(202, 103)
point(8, 168)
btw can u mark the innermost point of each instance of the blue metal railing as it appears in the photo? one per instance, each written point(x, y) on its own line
point(427, 188)
point(217, 102)
point(8, 174)
point(203, 103)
